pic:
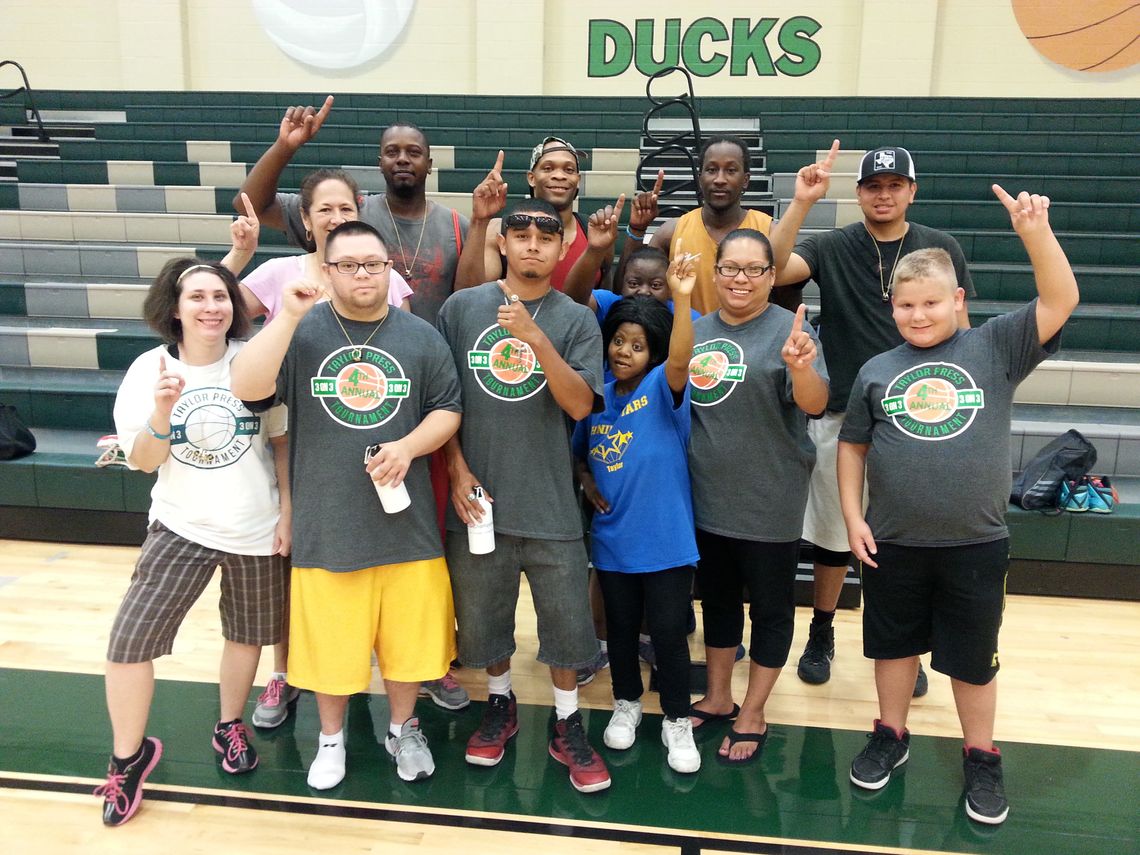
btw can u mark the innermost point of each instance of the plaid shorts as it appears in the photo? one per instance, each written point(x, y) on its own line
point(172, 572)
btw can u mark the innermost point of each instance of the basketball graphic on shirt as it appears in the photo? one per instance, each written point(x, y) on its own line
point(505, 367)
point(360, 386)
point(933, 401)
point(360, 391)
point(210, 428)
point(715, 369)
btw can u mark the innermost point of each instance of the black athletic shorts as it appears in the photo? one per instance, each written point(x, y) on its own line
point(944, 599)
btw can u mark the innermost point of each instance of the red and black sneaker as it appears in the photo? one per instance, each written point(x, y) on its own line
point(231, 741)
point(122, 793)
point(570, 747)
point(500, 722)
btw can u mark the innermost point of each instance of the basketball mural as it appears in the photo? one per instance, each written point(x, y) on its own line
point(934, 401)
point(210, 428)
point(1092, 35)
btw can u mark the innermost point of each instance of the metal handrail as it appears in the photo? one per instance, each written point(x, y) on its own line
point(31, 103)
point(685, 142)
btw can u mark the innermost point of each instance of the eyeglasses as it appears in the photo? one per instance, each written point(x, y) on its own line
point(548, 225)
point(752, 271)
point(349, 268)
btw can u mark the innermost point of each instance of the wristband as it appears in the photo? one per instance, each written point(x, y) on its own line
point(640, 237)
point(155, 433)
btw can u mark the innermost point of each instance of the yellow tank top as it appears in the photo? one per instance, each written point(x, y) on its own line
point(694, 237)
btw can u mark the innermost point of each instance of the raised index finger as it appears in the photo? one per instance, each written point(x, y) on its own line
point(323, 113)
point(1004, 198)
point(161, 364)
point(497, 169)
point(249, 212)
point(659, 183)
point(798, 323)
point(829, 161)
point(618, 206)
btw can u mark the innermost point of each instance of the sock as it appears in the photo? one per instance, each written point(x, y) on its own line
point(121, 763)
point(278, 675)
point(500, 685)
point(394, 729)
point(643, 636)
point(328, 740)
point(821, 619)
point(993, 749)
point(565, 702)
point(603, 646)
point(222, 725)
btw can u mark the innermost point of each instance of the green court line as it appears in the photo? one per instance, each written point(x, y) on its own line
point(1064, 800)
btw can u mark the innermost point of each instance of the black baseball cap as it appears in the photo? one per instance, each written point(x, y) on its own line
point(893, 160)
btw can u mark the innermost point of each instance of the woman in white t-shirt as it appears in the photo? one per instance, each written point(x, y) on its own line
point(215, 503)
point(329, 197)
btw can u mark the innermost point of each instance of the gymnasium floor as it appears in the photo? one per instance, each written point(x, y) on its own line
point(1067, 723)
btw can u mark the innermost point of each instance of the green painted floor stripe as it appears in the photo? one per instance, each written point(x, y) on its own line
point(1064, 800)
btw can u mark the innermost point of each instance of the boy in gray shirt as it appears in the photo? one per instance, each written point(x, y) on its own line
point(928, 424)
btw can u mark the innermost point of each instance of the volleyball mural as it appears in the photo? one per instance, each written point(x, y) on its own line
point(333, 34)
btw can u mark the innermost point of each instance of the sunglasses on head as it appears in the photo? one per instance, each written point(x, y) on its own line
point(549, 225)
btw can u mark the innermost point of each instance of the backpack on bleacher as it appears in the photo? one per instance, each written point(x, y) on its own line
point(15, 438)
point(1068, 457)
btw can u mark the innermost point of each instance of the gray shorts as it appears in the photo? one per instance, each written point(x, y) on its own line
point(486, 591)
point(172, 572)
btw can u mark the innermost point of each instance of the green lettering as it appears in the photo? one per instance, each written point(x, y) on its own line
point(604, 35)
point(801, 54)
point(691, 47)
point(748, 46)
point(643, 45)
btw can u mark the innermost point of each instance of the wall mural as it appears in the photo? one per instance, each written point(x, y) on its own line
point(333, 34)
point(1090, 35)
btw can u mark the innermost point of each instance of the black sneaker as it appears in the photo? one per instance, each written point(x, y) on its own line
point(985, 790)
point(231, 741)
point(815, 664)
point(122, 793)
point(921, 682)
point(885, 751)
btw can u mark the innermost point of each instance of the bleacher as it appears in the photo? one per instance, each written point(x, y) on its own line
point(134, 178)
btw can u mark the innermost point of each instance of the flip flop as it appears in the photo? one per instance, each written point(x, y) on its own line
point(711, 718)
point(734, 737)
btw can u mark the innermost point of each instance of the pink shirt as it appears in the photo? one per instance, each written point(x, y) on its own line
point(268, 282)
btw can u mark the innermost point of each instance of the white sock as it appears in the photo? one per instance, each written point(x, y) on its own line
point(603, 646)
point(395, 729)
point(643, 636)
point(278, 675)
point(327, 769)
point(500, 685)
point(565, 702)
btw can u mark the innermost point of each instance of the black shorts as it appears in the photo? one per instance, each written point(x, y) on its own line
point(945, 599)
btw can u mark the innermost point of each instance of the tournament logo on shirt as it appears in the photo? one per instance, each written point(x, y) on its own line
point(715, 369)
point(210, 428)
point(361, 393)
point(933, 401)
point(505, 367)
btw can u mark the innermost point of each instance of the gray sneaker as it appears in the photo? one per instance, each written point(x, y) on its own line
point(446, 692)
point(273, 704)
point(410, 752)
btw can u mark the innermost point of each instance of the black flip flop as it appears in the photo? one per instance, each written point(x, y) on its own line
point(711, 718)
point(734, 737)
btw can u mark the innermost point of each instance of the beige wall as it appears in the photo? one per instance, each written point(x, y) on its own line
point(865, 47)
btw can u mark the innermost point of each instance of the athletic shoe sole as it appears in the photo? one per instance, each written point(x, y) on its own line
point(582, 788)
point(477, 760)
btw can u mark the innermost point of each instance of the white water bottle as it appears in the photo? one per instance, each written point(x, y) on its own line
point(481, 534)
point(392, 499)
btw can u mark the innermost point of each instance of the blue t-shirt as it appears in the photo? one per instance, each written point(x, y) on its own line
point(636, 449)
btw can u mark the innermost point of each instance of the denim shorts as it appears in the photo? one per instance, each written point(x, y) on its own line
point(486, 591)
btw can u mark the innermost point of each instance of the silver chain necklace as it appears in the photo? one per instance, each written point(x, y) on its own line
point(399, 240)
point(358, 349)
point(886, 286)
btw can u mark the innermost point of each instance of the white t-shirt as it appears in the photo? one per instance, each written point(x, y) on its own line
point(218, 487)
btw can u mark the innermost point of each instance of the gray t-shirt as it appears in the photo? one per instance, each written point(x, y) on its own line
point(515, 436)
point(337, 408)
point(749, 454)
point(432, 270)
point(937, 419)
point(855, 321)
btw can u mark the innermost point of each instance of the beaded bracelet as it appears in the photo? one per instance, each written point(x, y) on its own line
point(156, 434)
point(640, 237)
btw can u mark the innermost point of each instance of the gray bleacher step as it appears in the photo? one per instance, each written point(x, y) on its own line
point(82, 116)
point(1099, 310)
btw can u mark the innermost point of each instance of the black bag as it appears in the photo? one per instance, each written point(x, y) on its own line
point(1069, 457)
point(15, 438)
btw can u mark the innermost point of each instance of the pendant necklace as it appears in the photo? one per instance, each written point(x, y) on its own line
point(400, 242)
point(886, 286)
point(358, 349)
point(514, 298)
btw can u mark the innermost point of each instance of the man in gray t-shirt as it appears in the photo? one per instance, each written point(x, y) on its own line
point(424, 240)
point(529, 360)
point(358, 375)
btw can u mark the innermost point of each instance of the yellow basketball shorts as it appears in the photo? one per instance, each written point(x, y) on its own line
point(404, 612)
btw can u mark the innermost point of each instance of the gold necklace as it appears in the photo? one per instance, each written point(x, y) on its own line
point(399, 240)
point(358, 350)
point(885, 287)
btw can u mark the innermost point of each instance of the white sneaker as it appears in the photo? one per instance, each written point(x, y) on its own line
point(622, 729)
point(677, 737)
point(327, 769)
point(410, 752)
